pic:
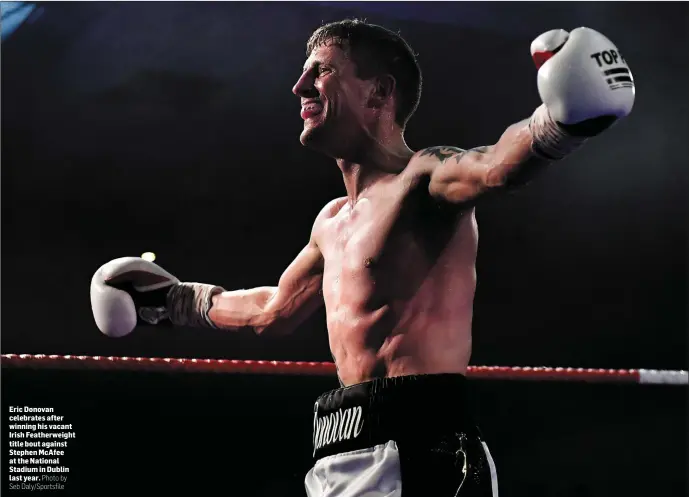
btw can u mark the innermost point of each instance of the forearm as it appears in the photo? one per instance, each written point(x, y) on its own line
point(201, 305)
point(465, 175)
point(527, 146)
point(243, 309)
point(524, 149)
point(512, 161)
point(275, 310)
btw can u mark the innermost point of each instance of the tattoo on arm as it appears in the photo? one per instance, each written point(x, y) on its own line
point(443, 153)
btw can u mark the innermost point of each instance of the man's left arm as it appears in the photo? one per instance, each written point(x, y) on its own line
point(585, 85)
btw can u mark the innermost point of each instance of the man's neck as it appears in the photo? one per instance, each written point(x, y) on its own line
point(378, 162)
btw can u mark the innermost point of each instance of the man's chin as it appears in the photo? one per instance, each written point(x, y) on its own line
point(305, 138)
point(309, 135)
point(320, 137)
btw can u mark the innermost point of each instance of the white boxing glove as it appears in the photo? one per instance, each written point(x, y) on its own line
point(129, 291)
point(585, 84)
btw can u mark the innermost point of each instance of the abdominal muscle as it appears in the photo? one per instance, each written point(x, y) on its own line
point(428, 332)
point(423, 344)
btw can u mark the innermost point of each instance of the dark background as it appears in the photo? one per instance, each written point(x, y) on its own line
point(132, 127)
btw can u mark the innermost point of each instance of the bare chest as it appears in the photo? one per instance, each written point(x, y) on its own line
point(359, 237)
point(378, 251)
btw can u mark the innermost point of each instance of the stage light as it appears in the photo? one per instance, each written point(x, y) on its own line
point(148, 256)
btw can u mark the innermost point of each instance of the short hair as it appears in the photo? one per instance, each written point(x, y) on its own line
point(375, 51)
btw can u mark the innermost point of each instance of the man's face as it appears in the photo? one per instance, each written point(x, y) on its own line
point(334, 101)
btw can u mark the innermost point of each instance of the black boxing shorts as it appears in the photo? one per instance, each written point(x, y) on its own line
point(406, 436)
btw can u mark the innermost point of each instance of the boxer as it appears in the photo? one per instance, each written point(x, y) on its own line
point(393, 261)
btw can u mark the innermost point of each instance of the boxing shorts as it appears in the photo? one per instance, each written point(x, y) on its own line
point(406, 436)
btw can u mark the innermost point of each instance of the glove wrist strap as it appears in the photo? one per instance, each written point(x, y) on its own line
point(549, 140)
point(189, 304)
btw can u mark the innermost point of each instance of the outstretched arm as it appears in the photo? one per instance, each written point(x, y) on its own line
point(583, 93)
point(279, 309)
point(460, 176)
point(130, 291)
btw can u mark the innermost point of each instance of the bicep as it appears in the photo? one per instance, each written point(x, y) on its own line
point(300, 283)
point(456, 175)
point(298, 293)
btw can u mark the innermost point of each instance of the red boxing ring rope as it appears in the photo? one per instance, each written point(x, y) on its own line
point(40, 361)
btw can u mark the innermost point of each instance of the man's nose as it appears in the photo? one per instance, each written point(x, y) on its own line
point(304, 87)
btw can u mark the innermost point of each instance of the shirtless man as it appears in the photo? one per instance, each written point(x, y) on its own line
point(393, 261)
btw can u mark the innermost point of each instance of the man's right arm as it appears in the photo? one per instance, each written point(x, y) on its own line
point(130, 291)
point(274, 310)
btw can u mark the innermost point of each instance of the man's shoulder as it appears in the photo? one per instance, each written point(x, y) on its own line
point(329, 211)
point(332, 208)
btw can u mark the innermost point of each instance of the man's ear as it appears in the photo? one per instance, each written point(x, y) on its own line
point(383, 88)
